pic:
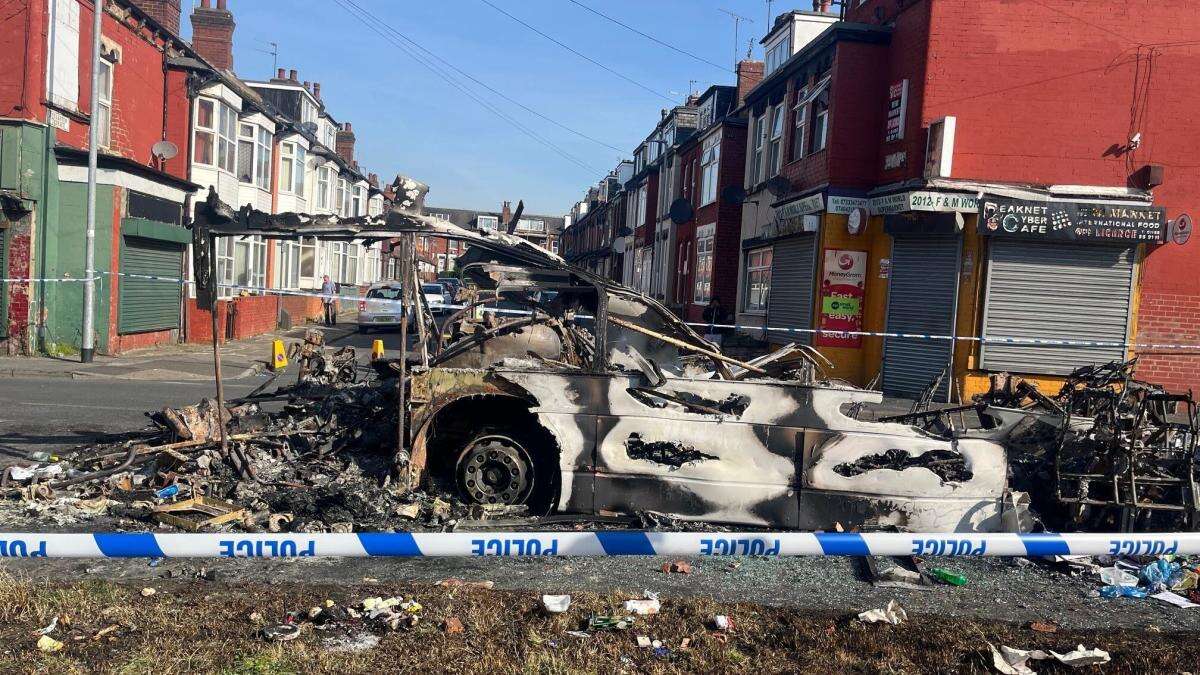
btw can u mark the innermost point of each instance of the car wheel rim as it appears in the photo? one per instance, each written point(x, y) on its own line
point(495, 470)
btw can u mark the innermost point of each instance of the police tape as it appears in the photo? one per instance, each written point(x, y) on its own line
point(35, 280)
point(607, 543)
point(1044, 342)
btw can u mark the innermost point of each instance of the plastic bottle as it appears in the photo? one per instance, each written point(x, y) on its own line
point(948, 577)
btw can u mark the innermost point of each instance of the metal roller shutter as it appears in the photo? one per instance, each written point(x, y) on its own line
point(146, 304)
point(3, 285)
point(1055, 291)
point(793, 267)
point(922, 295)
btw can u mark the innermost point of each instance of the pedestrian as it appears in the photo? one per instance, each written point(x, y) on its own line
point(714, 314)
point(329, 291)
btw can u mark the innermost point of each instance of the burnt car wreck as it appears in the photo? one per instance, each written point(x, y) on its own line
point(552, 390)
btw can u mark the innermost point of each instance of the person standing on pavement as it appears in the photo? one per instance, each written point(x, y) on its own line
point(329, 291)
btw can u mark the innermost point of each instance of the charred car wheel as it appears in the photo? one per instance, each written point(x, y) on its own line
point(499, 468)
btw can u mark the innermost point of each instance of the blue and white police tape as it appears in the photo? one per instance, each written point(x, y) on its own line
point(36, 280)
point(1048, 342)
point(611, 543)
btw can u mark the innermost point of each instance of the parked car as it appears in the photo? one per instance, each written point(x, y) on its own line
point(437, 297)
point(380, 307)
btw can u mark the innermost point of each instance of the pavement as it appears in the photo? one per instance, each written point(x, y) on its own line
point(240, 359)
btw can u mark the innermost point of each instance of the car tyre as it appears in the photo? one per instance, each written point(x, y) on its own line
point(506, 467)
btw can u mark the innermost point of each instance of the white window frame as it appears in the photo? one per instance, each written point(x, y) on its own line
point(489, 223)
point(324, 181)
point(758, 279)
point(702, 284)
point(759, 146)
point(800, 124)
point(820, 130)
point(357, 206)
point(103, 114)
point(775, 142)
point(778, 54)
point(710, 162)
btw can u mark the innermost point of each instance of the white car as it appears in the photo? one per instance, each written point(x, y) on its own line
point(380, 307)
point(436, 297)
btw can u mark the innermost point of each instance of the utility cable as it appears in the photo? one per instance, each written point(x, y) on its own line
point(653, 39)
point(479, 82)
point(578, 53)
point(449, 79)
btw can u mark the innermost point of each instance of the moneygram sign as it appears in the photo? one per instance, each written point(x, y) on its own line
point(1079, 221)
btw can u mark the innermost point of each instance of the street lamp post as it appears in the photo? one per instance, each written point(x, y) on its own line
point(88, 348)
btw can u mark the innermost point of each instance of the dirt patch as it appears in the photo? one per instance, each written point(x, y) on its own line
point(205, 627)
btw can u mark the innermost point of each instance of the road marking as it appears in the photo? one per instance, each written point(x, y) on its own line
point(73, 405)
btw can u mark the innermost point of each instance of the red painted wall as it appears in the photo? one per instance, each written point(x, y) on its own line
point(23, 59)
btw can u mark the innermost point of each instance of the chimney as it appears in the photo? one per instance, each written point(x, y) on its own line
point(749, 74)
point(316, 90)
point(307, 85)
point(212, 33)
point(166, 12)
point(345, 143)
point(279, 73)
point(293, 76)
point(505, 215)
point(822, 6)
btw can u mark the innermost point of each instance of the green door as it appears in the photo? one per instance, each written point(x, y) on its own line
point(149, 304)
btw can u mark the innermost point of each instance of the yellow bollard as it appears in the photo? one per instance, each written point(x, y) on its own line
point(278, 355)
point(377, 350)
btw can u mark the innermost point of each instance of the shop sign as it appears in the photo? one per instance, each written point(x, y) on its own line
point(897, 110)
point(843, 287)
point(800, 207)
point(924, 200)
point(845, 205)
point(1181, 229)
point(885, 268)
point(1085, 221)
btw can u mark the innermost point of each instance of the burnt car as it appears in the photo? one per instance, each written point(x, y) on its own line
point(555, 388)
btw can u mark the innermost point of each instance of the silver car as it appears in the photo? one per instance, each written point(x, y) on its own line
point(381, 307)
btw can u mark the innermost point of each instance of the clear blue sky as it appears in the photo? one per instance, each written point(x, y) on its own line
point(410, 121)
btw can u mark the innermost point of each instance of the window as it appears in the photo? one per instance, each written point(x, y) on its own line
point(356, 209)
point(323, 179)
point(704, 265)
point(710, 159)
point(329, 134)
point(640, 214)
point(254, 156)
point(246, 153)
point(263, 168)
point(758, 279)
point(820, 125)
point(224, 255)
point(291, 168)
point(103, 117)
point(801, 124)
point(308, 259)
point(707, 110)
point(777, 55)
point(341, 203)
point(775, 147)
point(756, 157)
point(530, 225)
point(249, 264)
point(216, 127)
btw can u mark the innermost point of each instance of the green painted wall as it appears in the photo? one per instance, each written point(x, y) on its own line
point(63, 255)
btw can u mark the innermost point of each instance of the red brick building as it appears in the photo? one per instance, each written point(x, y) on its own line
point(915, 118)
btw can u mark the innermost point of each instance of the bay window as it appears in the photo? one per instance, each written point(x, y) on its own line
point(710, 158)
point(758, 279)
point(214, 139)
point(254, 156)
point(324, 176)
point(291, 168)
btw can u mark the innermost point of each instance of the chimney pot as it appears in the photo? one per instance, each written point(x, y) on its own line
point(292, 75)
point(222, 4)
point(317, 90)
point(207, 4)
point(279, 74)
point(308, 85)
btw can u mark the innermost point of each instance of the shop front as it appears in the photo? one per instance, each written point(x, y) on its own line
point(1059, 271)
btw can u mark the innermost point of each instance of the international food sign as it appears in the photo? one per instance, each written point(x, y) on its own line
point(843, 287)
point(1079, 221)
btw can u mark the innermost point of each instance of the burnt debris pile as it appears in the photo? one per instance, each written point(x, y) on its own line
point(1107, 452)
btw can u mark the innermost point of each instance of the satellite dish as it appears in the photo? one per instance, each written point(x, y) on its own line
point(733, 194)
point(164, 150)
point(618, 245)
point(681, 211)
point(779, 186)
point(309, 128)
